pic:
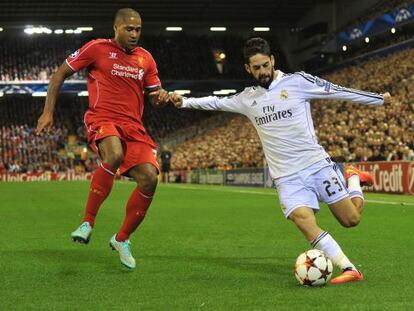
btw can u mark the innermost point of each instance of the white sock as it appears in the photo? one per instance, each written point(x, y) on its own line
point(354, 187)
point(325, 242)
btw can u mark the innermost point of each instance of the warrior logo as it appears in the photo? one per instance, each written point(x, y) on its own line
point(113, 55)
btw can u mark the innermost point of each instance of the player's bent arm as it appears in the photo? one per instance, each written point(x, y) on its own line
point(56, 81)
point(46, 119)
point(316, 88)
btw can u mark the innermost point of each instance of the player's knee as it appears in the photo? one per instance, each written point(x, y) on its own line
point(300, 215)
point(302, 218)
point(148, 181)
point(114, 159)
point(351, 221)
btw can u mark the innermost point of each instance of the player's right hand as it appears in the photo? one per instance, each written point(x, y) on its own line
point(387, 98)
point(45, 122)
point(176, 99)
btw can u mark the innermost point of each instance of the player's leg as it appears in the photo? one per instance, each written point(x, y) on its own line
point(305, 220)
point(110, 150)
point(349, 209)
point(319, 182)
point(146, 177)
point(163, 174)
point(355, 179)
point(167, 172)
point(330, 186)
point(299, 201)
point(346, 212)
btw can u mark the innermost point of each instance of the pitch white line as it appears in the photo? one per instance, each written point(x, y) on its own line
point(188, 187)
point(390, 202)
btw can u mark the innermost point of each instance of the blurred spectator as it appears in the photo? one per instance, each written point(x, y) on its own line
point(165, 163)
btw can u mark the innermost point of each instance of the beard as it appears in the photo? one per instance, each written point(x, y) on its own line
point(265, 80)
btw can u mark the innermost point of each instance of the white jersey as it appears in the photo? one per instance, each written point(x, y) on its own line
point(282, 118)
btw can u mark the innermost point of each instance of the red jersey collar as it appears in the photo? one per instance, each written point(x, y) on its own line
point(120, 47)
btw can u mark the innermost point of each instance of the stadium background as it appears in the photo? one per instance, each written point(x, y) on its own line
point(362, 44)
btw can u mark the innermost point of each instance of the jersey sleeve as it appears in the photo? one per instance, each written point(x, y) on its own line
point(151, 79)
point(227, 103)
point(316, 88)
point(83, 57)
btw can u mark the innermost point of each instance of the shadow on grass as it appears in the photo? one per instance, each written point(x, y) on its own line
point(68, 261)
point(77, 262)
point(263, 265)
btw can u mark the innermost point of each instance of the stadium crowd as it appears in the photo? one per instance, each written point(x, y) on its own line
point(64, 147)
point(38, 57)
point(22, 151)
point(372, 133)
point(349, 132)
point(231, 145)
point(35, 58)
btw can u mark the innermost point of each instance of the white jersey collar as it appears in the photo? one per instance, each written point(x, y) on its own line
point(279, 75)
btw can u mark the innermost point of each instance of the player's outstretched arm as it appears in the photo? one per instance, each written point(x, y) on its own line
point(316, 88)
point(46, 119)
point(212, 103)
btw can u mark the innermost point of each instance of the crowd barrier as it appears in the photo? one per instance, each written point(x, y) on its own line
point(389, 177)
point(70, 175)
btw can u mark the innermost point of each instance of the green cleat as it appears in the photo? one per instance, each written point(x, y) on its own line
point(83, 233)
point(124, 252)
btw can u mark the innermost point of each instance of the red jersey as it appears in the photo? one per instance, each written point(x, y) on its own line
point(116, 80)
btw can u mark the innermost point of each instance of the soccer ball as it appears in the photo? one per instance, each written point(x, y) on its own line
point(313, 268)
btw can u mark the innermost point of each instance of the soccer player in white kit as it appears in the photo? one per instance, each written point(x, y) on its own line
point(304, 174)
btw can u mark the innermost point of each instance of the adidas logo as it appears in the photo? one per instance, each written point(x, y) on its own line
point(254, 103)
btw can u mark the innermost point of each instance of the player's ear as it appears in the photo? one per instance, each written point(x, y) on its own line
point(115, 27)
point(247, 67)
point(272, 59)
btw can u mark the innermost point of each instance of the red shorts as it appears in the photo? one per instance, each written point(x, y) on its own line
point(138, 147)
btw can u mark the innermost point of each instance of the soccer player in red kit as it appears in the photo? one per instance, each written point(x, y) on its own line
point(119, 71)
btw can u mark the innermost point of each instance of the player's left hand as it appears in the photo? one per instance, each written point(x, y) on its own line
point(159, 97)
point(176, 99)
point(387, 98)
point(45, 122)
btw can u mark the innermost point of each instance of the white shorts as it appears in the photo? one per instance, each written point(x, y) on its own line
point(322, 181)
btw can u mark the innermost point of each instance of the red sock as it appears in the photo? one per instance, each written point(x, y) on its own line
point(136, 209)
point(101, 185)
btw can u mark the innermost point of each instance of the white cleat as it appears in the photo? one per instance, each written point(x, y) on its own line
point(83, 233)
point(124, 252)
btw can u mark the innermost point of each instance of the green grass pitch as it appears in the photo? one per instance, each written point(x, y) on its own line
point(200, 248)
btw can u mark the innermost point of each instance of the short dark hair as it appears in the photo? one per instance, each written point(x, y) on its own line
point(255, 46)
point(121, 14)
